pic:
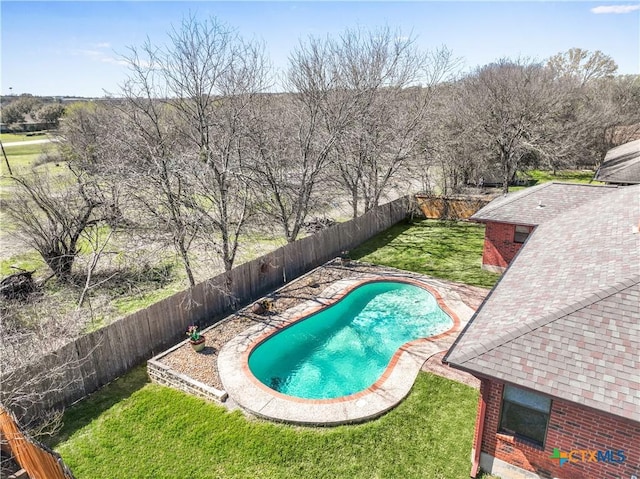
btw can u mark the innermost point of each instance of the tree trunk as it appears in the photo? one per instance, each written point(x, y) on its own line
point(506, 177)
point(184, 254)
point(60, 263)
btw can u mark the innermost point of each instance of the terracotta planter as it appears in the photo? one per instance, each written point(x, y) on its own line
point(257, 308)
point(198, 345)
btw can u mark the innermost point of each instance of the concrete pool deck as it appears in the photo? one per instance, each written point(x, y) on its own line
point(394, 385)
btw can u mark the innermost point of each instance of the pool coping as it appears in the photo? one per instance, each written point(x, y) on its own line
point(386, 393)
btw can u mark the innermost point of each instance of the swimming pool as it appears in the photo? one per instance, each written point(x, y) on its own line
point(345, 348)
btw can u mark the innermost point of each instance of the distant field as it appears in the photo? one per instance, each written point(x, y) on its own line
point(21, 158)
point(12, 137)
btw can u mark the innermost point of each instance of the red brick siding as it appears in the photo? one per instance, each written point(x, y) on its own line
point(571, 427)
point(499, 248)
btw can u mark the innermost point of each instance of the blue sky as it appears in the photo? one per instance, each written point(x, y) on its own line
point(73, 48)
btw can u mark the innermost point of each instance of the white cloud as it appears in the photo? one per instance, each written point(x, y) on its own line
point(88, 53)
point(114, 61)
point(103, 45)
point(99, 56)
point(615, 9)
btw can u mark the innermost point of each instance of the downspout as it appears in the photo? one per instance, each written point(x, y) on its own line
point(484, 397)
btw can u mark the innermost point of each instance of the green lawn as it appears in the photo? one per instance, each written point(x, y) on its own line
point(565, 176)
point(444, 249)
point(21, 157)
point(30, 260)
point(139, 430)
point(13, 137)
point(572, 176)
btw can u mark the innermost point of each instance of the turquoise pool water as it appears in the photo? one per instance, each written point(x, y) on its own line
point(346, 347)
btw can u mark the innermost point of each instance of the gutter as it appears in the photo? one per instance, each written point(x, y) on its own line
point(475, 465)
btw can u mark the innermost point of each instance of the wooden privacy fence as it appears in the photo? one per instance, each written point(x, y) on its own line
point(451, 207)
point(38, 462)
point(95, 359)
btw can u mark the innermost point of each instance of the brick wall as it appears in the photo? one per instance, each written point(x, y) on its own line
point(499, 248)
point(162, 374)
point(571, 428)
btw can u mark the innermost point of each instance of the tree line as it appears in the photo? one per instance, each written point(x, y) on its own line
point(18, 110)
point(197, 145)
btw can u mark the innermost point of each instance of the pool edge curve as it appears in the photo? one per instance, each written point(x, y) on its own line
point(387, 392)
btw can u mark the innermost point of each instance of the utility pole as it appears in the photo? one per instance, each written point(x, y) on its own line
point(6, 160)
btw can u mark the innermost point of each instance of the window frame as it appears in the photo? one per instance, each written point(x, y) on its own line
point(518, 235)
point(519, 434)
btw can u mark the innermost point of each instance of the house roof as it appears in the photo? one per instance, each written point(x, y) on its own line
point(535, 205)
point(621, 164)
point(565, 317)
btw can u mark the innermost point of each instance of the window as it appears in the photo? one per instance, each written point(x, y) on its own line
point(522, 233)
point(525, 414)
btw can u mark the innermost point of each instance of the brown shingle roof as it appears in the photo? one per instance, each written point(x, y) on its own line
point(565, 317)
point(621, 164)
point(533, 206)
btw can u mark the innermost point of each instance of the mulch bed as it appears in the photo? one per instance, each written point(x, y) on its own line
point(202, 366)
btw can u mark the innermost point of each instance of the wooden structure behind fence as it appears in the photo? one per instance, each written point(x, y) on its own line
point(36, 460)
point(95, 359)
point(451, 207)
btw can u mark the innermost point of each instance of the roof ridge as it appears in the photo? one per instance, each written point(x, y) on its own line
point(503, 202)
point(516, 195)
point(525, 328)
point(588, 301)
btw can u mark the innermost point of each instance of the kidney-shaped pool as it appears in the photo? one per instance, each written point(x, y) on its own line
point(346, 347)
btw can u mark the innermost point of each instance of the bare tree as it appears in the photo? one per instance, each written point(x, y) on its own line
point(615, 114)
point(508, 106)
point(390, 83)
point(448, 159)
point(597, 110)
point(156, 170)
point(98, 241)
point(293, 148)
point(208, 77)
point(582, 66)
point(353, 117)
point(52, 212)
point(26, 377)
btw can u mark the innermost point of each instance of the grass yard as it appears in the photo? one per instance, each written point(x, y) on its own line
point(565, 176)
point(139, 430)
point(571, 176)
point(13, 137)
point(444, 249)
point(29, 260)
point(22, 157)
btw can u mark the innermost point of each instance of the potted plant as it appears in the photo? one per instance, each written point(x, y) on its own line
point(196, 339)
point(267, 304)
point(261, 307)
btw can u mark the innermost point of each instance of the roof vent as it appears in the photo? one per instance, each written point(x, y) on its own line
point(540, 205)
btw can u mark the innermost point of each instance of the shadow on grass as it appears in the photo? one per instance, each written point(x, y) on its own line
point(380, 240)
point(90, 408)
